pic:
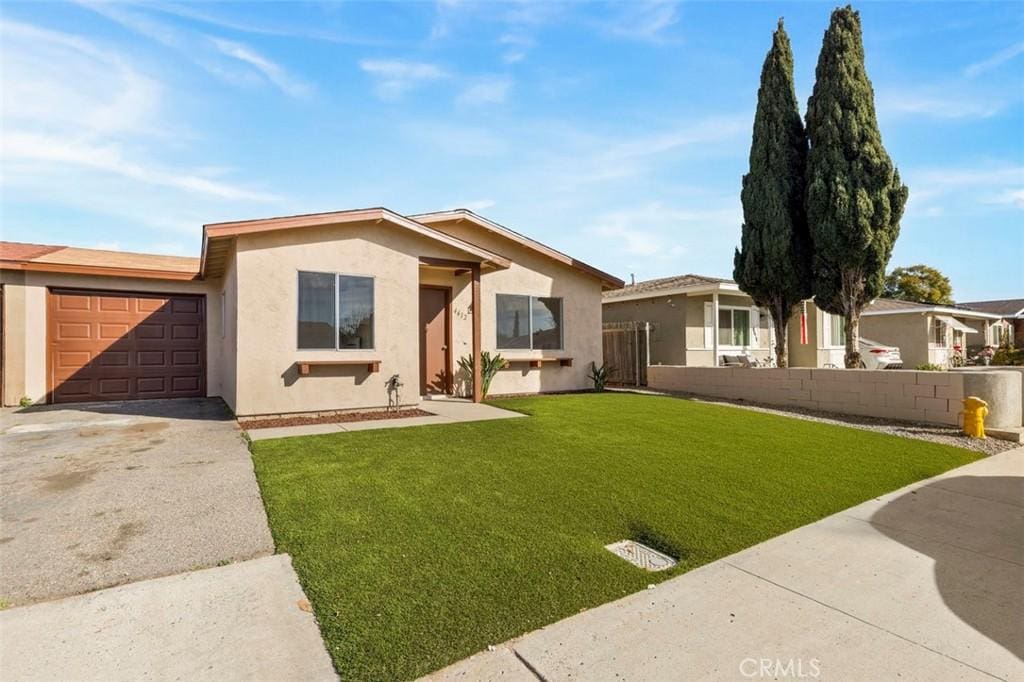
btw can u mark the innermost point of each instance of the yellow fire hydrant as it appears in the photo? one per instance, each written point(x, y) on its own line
point(975, 411)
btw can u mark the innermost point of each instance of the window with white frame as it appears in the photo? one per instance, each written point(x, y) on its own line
point(335, 312)
point(733, 326)
point(836, 326)
point(937, 333)
point(529, 322)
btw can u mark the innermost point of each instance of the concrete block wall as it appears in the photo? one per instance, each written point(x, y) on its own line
point(902, 395)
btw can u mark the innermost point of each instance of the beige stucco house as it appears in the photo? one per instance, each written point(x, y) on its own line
point(1009, 328)
point(301, 313)
point(923, 333)
point(926, 333)
point(693, 319)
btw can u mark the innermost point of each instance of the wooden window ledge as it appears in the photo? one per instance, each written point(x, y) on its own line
point(539, 362)
point(305, 366)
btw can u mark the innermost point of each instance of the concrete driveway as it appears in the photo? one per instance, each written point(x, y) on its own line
point(101, 494)
point(925, 583)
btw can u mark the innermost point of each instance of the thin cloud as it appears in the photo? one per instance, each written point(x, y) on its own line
point(995, 61)
point(274, 73)
point(487, 90)
point(395, 77)
point(662, 242)
point(518, 46)
point(643, 21)
point(85, 127)
point(190, 12)
point(205, 51)
point(22, 146)
point(476, 205)
point(951, 105)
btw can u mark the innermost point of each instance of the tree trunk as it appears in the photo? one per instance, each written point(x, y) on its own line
point(852, 324)
point(780, 319)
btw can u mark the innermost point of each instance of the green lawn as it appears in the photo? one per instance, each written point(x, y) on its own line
point(420, 546)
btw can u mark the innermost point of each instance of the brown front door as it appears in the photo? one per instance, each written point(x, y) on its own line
point(435, 340)
point(108, 345)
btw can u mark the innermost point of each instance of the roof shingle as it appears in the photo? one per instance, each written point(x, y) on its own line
point(653, 286)
point(1008, 306)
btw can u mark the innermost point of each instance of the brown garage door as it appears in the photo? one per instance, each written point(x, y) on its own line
point(107, 345)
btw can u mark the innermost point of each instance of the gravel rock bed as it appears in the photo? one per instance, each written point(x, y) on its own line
point(946, 435)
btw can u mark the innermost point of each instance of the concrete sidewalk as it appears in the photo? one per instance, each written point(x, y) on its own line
point(924, 583)
point(244, 621)
point(445, 411)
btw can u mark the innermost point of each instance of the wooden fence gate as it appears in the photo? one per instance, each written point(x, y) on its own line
point(626, 345)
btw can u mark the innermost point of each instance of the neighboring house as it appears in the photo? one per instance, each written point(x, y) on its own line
point(693, 319)
point(925, 333)
point(1011, 323)
point(301, 313)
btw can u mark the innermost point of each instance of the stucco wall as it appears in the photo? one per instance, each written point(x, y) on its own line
point(267, 267)
point(804, 354)
point(667, 314)
point(25, 324)
point(537, 275)
point(909, 332)
point(227, 333)
point(902, 395)
point(679, 336)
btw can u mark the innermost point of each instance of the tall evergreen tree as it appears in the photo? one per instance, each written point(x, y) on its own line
point(854, 195)
point(773, 262)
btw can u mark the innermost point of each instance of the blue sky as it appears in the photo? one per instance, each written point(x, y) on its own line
point(615, 132)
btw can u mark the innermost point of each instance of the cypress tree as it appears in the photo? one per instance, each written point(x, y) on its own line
point(854, 195)
point(773, 262)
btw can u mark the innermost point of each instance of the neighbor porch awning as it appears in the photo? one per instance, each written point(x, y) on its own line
point(956, 324)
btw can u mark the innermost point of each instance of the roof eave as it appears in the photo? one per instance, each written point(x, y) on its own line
point(692, 290)
point(608, 282)
point(216, 231)
point(933, 310)
point(106, 271)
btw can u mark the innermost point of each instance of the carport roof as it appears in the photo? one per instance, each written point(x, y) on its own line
point(70, 259)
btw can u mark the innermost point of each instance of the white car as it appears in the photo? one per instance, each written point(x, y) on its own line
point(876, 355)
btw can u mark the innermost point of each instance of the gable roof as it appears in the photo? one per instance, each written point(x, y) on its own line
point(666, 286)
point(1007, 307)
point(892, 306)
point(48, 258)
point(217, 236)
point(607, 281)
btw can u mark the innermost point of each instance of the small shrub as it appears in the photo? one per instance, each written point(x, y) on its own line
point(25, 401)
point(930, 367)
point(489, 366)
point(1008, 357)
point(599, 375)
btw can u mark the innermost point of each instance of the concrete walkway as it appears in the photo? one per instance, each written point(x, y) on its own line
point(245, 621)
point(924, 583)
point(445, 411)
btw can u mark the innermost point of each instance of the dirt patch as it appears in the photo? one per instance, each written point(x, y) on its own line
point(345, 418)
point(66, 480)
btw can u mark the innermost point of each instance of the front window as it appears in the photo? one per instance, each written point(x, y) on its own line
point(837, 329)
point(938, 332)
point(734, 326)
point(335, 312)
point(529, 322)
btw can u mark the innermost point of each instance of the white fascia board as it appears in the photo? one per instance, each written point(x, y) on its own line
point(935, 310)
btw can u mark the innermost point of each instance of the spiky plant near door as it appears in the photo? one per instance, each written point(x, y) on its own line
point(489, 366)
